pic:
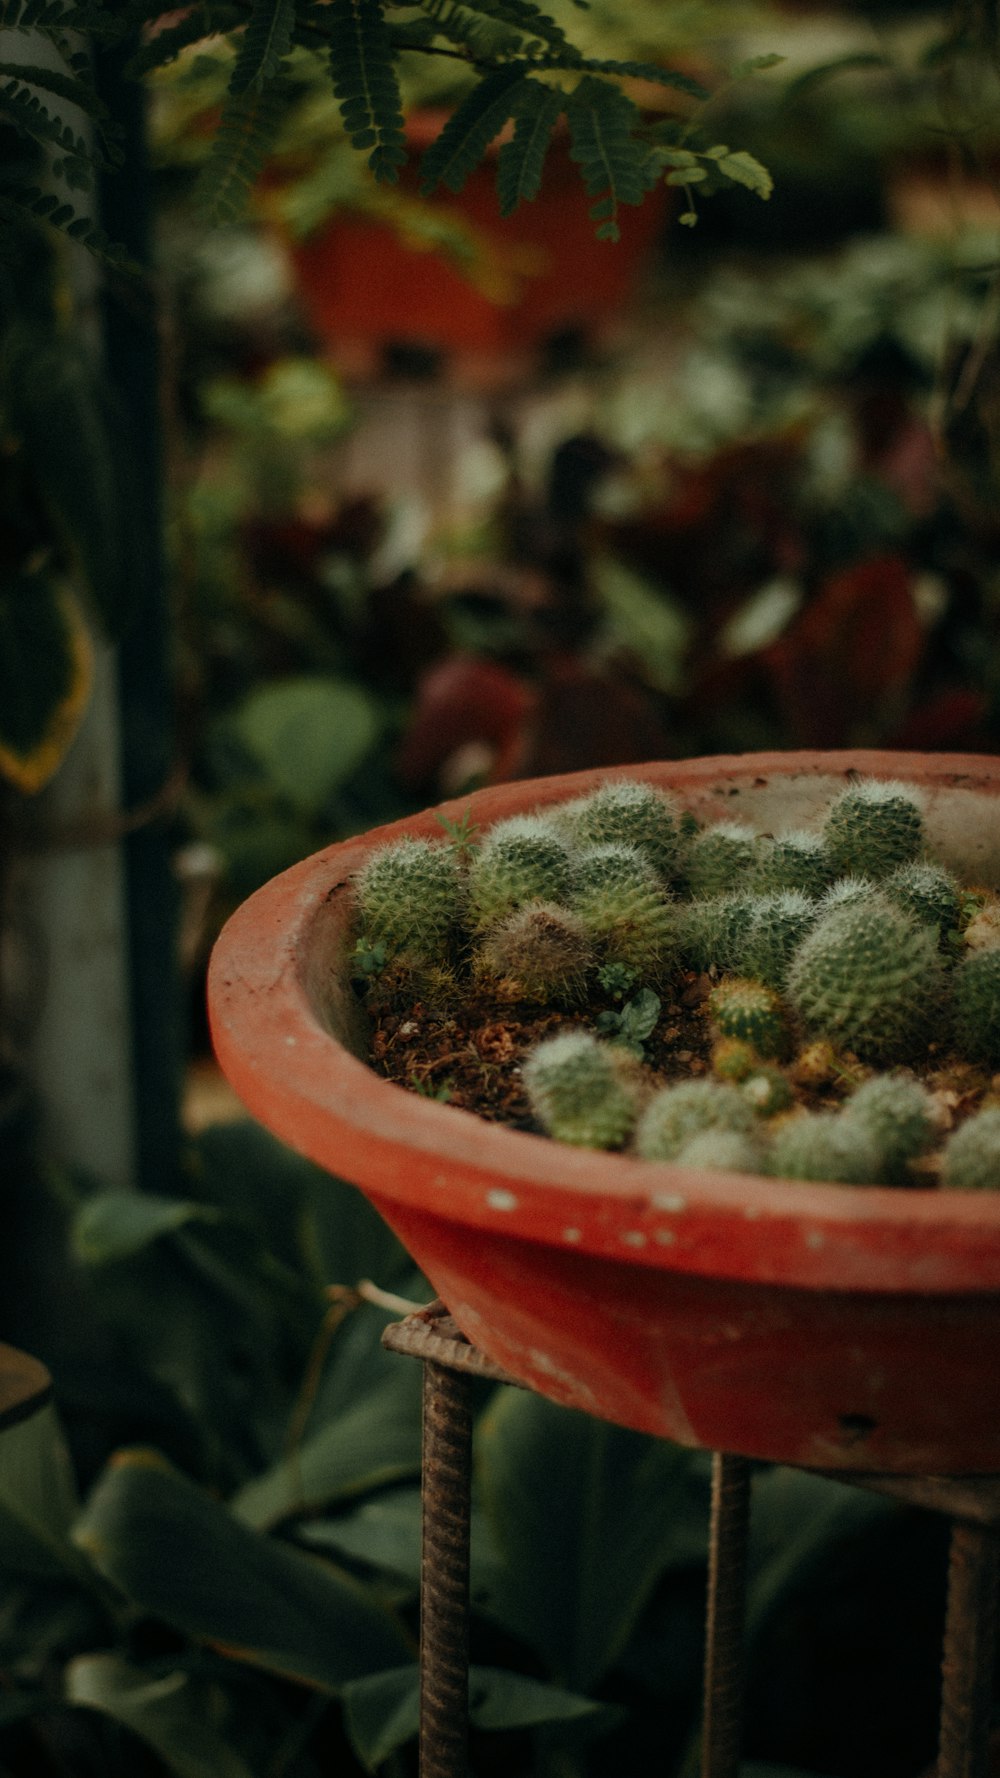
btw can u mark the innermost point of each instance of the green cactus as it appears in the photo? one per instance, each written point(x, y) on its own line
point(731, 1151)
point(976, 985)
point(580, 1090)
point(519, 860)
point(927, 891)
point(733, 1058)
point(633, 814)
point(540, 952)
point(846, 892)
point(410, 897)
point(620, 898)
point(971, 1158)
point(713, 932)
point(872, 827)
point(824, 1145)
point(777, 925)
point(720, 859)
point(751, 1011)
point(897, 1115)
point(677, 1113)
point(767, 1090)
point(868, 977)
point(797, 860)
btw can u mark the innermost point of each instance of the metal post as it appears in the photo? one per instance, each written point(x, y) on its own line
point(444, 1576)
point(969, 1652)
point(727, 1584)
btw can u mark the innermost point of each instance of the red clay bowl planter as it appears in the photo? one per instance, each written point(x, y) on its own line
point(830, 1326)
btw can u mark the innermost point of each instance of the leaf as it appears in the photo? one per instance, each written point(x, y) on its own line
point(46, 672)
point(521, 160)
point(797, 1522)
point(469, 131)
point(382, 1713)
point(266, 42)
point(611, 160)
point(582, 1554)
point(115, 1225)
point(249, 125)
point(744, 169)
point(826, 70)
point(755, 65)
point(173, 1713)
point(366, 83)
point(309, 734)
point(385, 1533)
point(38, 1502)
point(181, 1557)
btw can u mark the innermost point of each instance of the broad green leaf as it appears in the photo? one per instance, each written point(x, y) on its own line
point(382, 1713)
point(182, 1557)
point(583, 1552)
point(645, 620)
point(38, 1502)
point(743, 169)
point(46, 670)
point(309, 735)
point(173, 1713)
point(385, 1533)
point(115, 1225)
point(797, 1518)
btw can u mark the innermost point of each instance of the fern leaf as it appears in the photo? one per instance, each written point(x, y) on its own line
point(469, 131)
point(526, 18)
point(168, 44)
point(33, 205)
point(612, 161)
point(246, 134)
point(521, 160)
point(32, 118)
point(267, 40)
point(366, 84)
point(486, 35)
point(76, 90)
point(672, 77)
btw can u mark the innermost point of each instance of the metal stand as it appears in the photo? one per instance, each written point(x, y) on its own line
point(970, 1632)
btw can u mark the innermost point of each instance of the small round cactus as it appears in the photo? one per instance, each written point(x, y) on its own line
point(751, 1011)
point(971, 1159)
point(872, 827)
point(797, 860)
point(713, 932)
point(677, 1113)
point(520, 860)
point(720, 858)
point(631, 814)
point(846, 892)
point(976, 985)
point(824, 1145)
point(580, 1091)
point(767, 1090)
point(620, 899)
point(731, 1151)
point(409, 895)
point(733, 1058)
point(539, 952)
point(897, 1114)
point(777, 924)
point(927, 891)
point(868, 977)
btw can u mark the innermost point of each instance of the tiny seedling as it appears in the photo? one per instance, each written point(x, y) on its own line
point(462, 833)
point(634, 1024)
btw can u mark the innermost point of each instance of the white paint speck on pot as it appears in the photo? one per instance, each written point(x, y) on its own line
point(499, 1199)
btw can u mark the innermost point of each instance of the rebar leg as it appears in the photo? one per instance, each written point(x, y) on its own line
point(727, 1586)
point(969, 1652)
point(444, 1580)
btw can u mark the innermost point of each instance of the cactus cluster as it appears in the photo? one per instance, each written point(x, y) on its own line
point(820, 954)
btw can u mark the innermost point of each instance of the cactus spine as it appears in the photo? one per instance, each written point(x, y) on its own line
point(621, 901)
point(777, 924)
point(897, 1114)
point(409, 895)
point(797, 860)
point(824, 1145)
point(633, 814)
point(928, 892)
point(520, 860)
point(867, 976)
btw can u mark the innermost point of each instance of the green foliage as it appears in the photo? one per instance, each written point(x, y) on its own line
point(869, 977)
point(366, 84)
point(266, 41)
point(971, 1160)
point(247, 132)
point(578, 1090)
point(633, 1023)
point(677, 1113)
point(521, 161)
point(613, 165)
point(472, 127)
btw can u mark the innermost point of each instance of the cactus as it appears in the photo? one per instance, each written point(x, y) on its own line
point(869, 977)
point(520, 860)
point(751, 1011)
point(580, 1091)
point(897, 1114)
point(720, 858)
point(971, 1159)
point(767, 1090)
point(409, 896)
point(824, 1145)
point(797, 860)
point(621, 901)
point(976, 985)
point(632, 814)
point(872, 827)
point(733, 1058)
point(732, 1151)
point(928, 892)
point(713, 932)
point(777, 924)
point(539, 952)
point(677, 1113)
point(846, 892)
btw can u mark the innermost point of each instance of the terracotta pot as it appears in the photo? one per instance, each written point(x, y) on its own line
point(825, 1325)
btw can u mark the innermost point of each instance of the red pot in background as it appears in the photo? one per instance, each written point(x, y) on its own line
point(362, 285)
point(831, 1326)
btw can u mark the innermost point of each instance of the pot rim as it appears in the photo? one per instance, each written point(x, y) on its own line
point(304, 1084)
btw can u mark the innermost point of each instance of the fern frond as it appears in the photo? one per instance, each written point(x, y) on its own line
point(31, 117)
point(31, 204)
point(652, 71)
point(484, 33)
point(366, 84)
point(202, 21)
point(526, 18)
point(521, 160)
point(612, 161)
point(246, 134)
point(469, 131)
point(76, 89)
point(267, 40)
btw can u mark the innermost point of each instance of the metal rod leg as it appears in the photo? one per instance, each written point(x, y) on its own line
point(727, 1586)
point(444, 1580)
point(969, 1652)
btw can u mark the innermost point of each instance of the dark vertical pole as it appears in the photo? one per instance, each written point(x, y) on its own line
point(444, 1581)
point(132, 363)
point(727, 1583)
point(969, 1652)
